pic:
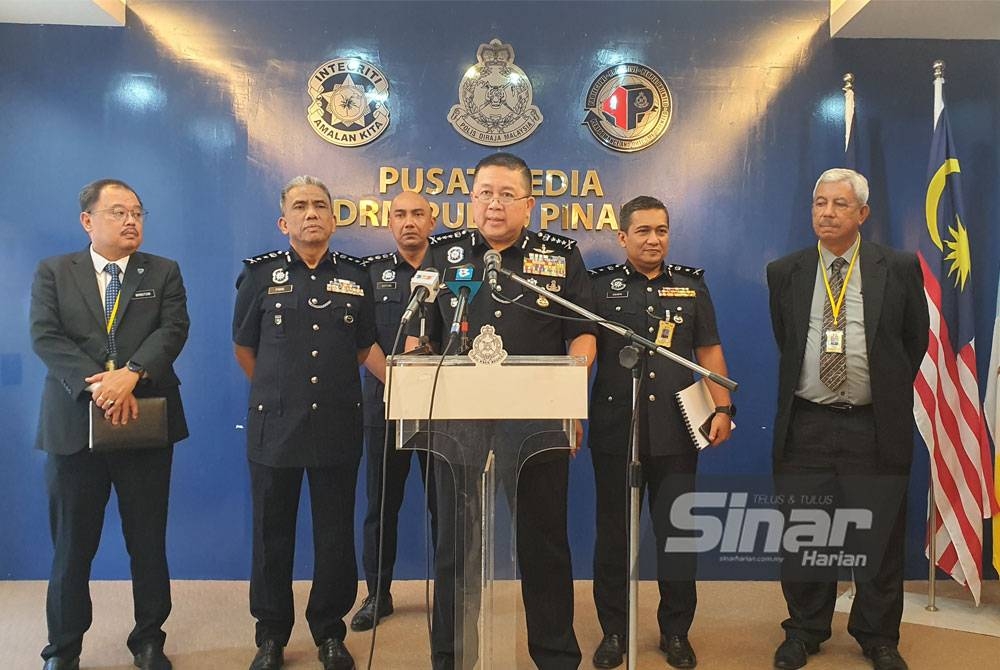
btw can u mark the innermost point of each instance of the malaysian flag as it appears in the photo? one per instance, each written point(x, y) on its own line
point(991, 407)
point(946, 391)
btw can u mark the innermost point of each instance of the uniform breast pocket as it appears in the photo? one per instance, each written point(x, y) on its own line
point(343, 310)
point(280, 314)
point(387, 307)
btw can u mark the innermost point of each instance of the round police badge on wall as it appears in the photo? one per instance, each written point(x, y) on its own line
point(349, 97)
point(628, 107)
point(494, 99)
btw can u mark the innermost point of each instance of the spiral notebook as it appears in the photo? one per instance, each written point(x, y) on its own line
point(697, 408)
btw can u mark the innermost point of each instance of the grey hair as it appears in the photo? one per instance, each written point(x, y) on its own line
point(857, 181)
point(303, 180)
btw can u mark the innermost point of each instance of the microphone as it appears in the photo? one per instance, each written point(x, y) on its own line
point(424, 287)
point(493, 263)
point(463, 281)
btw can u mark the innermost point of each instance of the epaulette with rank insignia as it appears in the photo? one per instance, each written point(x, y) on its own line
point(686, 270)
point(349, 258)
point(606, 269)
point(564, 243)
point(374, 258)
point(260, 258)
point(442, 238)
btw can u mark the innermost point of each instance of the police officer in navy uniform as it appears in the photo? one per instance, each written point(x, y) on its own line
point(501, 205)
point(303, 323)
point(411, 222)
point(671, 305)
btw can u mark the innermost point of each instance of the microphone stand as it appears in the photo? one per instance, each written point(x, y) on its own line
point(629, 357)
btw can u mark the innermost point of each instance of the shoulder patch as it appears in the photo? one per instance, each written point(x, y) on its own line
point(375, 258)
point(686, 270)
point(565, 243)
point(606, 269)
point(261, 258)
point(341, 256)
point(444, 238)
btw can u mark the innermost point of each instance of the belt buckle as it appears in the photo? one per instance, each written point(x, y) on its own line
point(842, 407)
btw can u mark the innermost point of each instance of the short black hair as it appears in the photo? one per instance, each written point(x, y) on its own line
point(638, 204)
point(91, 193)
point(509, 161)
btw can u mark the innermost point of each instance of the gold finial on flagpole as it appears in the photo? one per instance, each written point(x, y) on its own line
point(939, 70)
point(848, 82)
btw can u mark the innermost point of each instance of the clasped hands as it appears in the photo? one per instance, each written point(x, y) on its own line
point(112, 392)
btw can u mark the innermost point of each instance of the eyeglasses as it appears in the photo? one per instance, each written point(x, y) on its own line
point(487, 197)
point(120, 214)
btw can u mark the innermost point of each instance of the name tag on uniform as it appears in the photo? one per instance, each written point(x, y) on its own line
point(148, 293)
point(834, 342)
point(344, 286)
point(676, 292)
point(286, 288)
point(665, 334)
point(546, 266)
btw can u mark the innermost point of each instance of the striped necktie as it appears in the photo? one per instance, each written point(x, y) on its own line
point(110, 298)
point(833, 365)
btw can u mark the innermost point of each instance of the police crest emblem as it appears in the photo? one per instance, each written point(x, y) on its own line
point(487, 347)
point(494, 99)
point(628, 107)
point(348, 105)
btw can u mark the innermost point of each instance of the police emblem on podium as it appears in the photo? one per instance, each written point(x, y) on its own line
point(349, 97)
point(628, 107)
point(494, 99)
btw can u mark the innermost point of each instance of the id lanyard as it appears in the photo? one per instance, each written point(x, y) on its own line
point(836, 305)
point(110, 364)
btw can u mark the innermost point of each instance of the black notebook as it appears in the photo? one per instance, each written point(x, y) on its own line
point(149, 431)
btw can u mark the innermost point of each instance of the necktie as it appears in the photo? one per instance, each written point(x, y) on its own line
point(110, 297)
point(833, 366)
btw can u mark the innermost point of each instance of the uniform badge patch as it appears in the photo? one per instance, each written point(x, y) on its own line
point(349, 97)
point(617, 284)
point(628, 107)
point(676, 292)
point(344, 286)
point(388, 275)
point(279, 276)
point(456, 254)
point(494, 99)
point(547, 266)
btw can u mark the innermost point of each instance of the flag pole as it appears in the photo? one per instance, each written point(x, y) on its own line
point(938, 69)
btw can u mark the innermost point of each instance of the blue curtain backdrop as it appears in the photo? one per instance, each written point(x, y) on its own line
point(202, 107)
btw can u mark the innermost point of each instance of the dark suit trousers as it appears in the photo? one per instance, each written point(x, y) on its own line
point(275, 493)
point(543, 559)
point(385, 526)
point(668, 476)
point(832, 456)
point(79, 486)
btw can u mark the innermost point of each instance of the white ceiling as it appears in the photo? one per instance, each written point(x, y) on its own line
point(921, 19)
point(924, 19)
point(64, 12)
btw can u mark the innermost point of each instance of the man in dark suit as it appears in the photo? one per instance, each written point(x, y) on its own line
point(108, 323)
point(850, 320)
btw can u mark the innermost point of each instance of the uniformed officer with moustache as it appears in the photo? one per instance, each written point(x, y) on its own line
point(411, 222)
point(671, 305)
point(303, 323)
point(501, 205)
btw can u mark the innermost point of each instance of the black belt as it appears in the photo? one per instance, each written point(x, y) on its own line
point(839, 407)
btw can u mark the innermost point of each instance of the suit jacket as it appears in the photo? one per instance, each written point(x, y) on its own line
point(896, 330)
point(68, 334)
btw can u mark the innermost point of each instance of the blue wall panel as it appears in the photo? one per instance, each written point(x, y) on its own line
point(201, 106)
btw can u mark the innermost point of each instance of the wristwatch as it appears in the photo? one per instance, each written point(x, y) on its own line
point(135, 367)
point(723, 409)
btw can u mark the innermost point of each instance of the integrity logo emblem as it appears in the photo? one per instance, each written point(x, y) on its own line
point(628, 107)
point(494, 99)
point(349, 102)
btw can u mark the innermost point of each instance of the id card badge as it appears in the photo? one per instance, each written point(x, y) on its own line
point(665, 334)
point(834, 342)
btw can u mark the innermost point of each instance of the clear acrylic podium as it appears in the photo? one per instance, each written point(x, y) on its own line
point(488, 421)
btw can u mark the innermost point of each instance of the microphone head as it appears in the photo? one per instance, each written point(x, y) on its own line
point(492, 259)
point(430, 279)
point(463, 276)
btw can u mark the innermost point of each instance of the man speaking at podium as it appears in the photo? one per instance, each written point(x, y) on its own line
point(501, 205)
